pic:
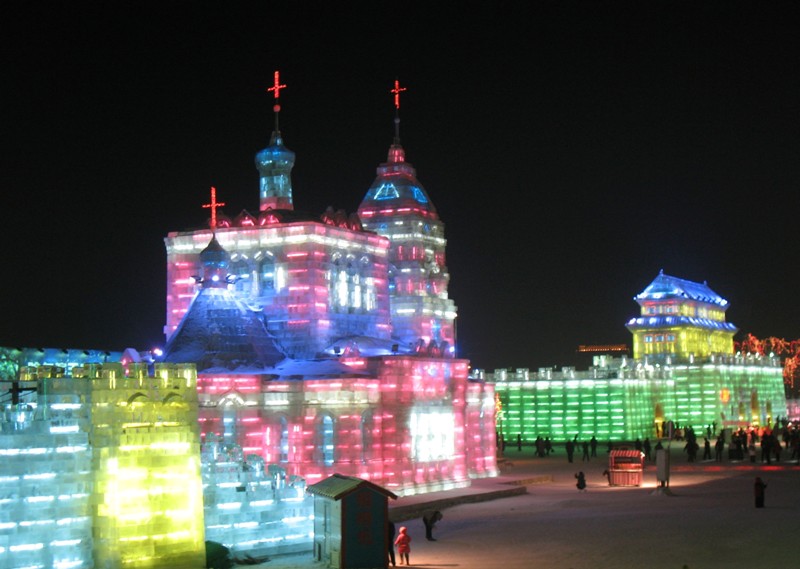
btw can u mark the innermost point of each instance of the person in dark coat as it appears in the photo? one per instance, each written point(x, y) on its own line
point(581, 484)
point(570, 450)
point(390, 531)
point(430, 519)
point(758, 489)
point(706, 449)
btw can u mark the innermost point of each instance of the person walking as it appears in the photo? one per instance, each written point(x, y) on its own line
point(570, 450)
point(719, 447)
point(758, 489)
point(706, 449)
point(430, 519)
point(403, 543)
point(593, 445)
point(585, 447)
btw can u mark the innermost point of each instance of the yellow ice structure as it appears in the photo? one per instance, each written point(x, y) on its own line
point(681, 319)
point(147, 491)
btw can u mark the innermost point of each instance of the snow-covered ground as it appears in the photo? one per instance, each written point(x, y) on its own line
point(708, 522)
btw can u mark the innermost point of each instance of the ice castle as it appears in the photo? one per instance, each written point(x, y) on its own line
point(298, 346)
point(683, 370)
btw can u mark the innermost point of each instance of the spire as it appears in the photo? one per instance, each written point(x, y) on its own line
point(213, 206)
point(396, 153)
point(397, 182)
point(275, 162)
point(276, 108)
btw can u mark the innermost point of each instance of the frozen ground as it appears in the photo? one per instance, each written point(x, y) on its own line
point(708, 522)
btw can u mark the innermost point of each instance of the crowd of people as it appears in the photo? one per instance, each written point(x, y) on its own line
point(764, 444)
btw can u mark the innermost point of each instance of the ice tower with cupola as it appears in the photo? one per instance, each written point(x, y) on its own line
point(396, 206)
point(313, 279)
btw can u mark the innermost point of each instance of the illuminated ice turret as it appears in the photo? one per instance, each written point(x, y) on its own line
point(275, 165)
point(680, 318)
point(397, 206)
point(214, 261)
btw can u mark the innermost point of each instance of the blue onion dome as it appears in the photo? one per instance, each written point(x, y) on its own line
point(274, 155)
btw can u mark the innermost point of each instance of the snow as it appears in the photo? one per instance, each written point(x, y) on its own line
point(708, 522)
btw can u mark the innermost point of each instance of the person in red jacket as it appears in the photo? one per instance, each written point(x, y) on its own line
point(403, 543)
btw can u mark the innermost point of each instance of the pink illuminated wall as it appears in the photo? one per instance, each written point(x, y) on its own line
point(314, 282)
point(414, 424)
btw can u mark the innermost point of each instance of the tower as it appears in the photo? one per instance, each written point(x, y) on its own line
point(313, 278)
point(680, 318)
point(275, 164)
point(397, 206)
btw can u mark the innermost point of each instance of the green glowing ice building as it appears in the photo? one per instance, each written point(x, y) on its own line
point(683, 370)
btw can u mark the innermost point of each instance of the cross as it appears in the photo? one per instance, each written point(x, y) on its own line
point(277, 86)
point(397, 90)
point(213, 205)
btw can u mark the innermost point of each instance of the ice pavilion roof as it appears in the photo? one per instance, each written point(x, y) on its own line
point(665, 287)
point(644, 322)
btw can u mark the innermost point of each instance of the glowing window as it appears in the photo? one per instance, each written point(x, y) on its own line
point(284, 444)
point(241, 272)
point(386, 191)
point(660, 338)
point(266, 276)
point(367, 424)
point(670, 337)
point(432, 435)
point(326, 437)
point(341, 289)
point(648, 339)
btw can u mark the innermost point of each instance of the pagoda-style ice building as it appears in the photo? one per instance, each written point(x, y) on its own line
point(325, 343)
point(683, 370)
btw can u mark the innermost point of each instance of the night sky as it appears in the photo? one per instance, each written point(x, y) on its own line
point(572, 150)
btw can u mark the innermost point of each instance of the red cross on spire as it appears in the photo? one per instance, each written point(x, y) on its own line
point(397, 90)
point(214, 205)
point(276, 89)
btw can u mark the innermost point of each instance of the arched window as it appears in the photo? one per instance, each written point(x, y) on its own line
point(241, 270)
point(283, 451)
point(367, 426)
point(266, 277)
point(326, 440)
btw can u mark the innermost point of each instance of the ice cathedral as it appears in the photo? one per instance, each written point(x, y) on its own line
point(298, 345)
point(325, 343)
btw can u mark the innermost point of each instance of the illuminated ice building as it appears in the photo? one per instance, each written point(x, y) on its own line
point(325, 343)
point(298, 346)
point(683, 370)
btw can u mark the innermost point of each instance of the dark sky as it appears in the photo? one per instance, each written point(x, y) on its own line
point(572, 149)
